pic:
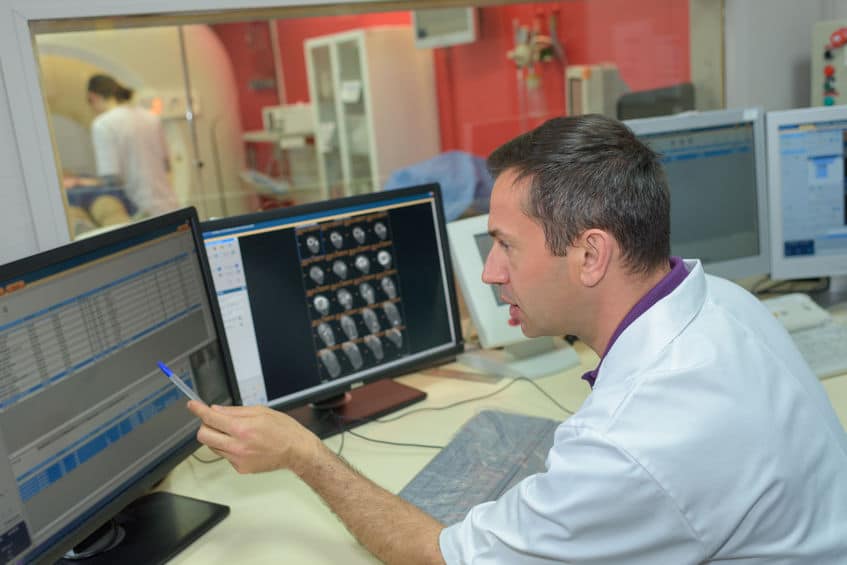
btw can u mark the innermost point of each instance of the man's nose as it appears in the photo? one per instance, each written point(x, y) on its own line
point(494, 271)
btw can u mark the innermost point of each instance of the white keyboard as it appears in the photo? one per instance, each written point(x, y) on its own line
point(824, 347)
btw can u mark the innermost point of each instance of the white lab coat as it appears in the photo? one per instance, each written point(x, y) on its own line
point(129, 142)
point(705, 439)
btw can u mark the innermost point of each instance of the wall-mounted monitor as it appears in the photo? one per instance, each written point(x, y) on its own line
point(715, 166)
point(321, 297)
point(806, 177)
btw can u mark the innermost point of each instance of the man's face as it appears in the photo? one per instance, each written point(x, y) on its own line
point(539, 285)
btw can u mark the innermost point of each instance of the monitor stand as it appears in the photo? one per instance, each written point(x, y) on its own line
point(152, 529)
point(533, 358)
point(356, 407)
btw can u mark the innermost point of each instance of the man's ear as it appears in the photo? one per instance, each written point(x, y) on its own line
point(597, 249)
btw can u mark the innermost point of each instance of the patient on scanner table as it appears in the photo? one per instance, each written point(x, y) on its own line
point(95, 202)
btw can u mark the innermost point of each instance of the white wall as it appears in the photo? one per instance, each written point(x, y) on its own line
point(768, 49)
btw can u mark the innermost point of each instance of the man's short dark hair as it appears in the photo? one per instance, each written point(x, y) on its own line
point(592, 172)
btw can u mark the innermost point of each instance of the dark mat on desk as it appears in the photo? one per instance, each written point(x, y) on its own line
point(492, 452)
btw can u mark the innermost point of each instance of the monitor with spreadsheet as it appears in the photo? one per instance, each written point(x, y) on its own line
point(320, 297)
point(715, 166)
point(88, 423)
point(807, 190)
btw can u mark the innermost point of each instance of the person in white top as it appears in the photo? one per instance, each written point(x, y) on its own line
point(706, 438)
point(130, 147)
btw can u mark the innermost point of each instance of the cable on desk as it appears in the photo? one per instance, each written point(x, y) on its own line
point(395, 443)
point(207, 461)
point(476, 399)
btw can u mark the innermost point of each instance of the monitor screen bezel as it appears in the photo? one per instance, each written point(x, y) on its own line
point(783, 267)
point(329, 390)
point(140, 484)
point(752, 265)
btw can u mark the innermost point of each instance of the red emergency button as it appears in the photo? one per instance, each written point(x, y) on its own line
point(829, 70)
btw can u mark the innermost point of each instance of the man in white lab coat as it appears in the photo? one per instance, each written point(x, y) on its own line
point(706, 438)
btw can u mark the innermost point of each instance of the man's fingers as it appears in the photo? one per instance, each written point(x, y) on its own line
point(216, 440)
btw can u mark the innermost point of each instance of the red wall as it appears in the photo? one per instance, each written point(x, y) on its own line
point(477, 87)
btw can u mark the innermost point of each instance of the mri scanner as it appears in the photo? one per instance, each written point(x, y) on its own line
point(162, 64)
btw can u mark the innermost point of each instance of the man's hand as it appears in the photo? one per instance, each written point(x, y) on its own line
point(255, 439)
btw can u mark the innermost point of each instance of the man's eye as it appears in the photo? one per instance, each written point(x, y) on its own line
point(503, 244)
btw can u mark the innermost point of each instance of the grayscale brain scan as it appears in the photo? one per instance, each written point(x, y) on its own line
point(330, 362)
point(316, 274)
point(336, 239)
point(388, 287)
point(395, 337)
point(313, 244)
point(345, 298)
point(348, 326)
point(375, 345)
point(384, 258)
point(339, 267)
point(367, 292)
point(371, 320)
point(363, 264)
point(326, 334)
point(321, 304)
point(353, 354)
point(380, 230)
point(392, 313)
point(359, 235)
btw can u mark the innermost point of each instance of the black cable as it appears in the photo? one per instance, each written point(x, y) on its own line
point(342, 429)
point(207, 461)
point(475, 399)
point(395, 443)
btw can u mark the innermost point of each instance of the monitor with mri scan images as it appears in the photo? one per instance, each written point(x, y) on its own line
point(319, 298)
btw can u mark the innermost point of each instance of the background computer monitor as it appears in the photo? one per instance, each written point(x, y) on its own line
point(806, 153)
point(320, 297)
point(522, 356)
point(715, 165)
point(88, 423)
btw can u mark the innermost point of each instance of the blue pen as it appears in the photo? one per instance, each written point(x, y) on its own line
point(184, 388)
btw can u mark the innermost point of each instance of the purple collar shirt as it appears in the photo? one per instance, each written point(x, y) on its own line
point(664, 287)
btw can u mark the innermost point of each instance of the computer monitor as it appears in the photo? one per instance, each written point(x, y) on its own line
point(321, 297)
point(88, 423)
point(470, 243)
point(715, 166)
point(808, 215)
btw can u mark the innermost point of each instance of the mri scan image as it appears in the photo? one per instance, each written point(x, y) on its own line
point(359, 235)
point(375, 345)
point(388, 287)
point(326, 334)
point(316, 274)
point(384, 258)
point(380, 230)
point(392, 312)
point(339, 267)
point(330, 361)
point(345, 298)
point(371, 320)
point(348, 326)
point(363, 264)
point(367, 292)
point(395, 337)
point(321, 304)
point(313, 244)
point(353, 354)
point(336, 239)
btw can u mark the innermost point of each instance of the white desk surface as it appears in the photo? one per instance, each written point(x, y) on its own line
point(275, 518)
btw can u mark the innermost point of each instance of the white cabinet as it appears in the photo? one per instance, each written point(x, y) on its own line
point(373, 98)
